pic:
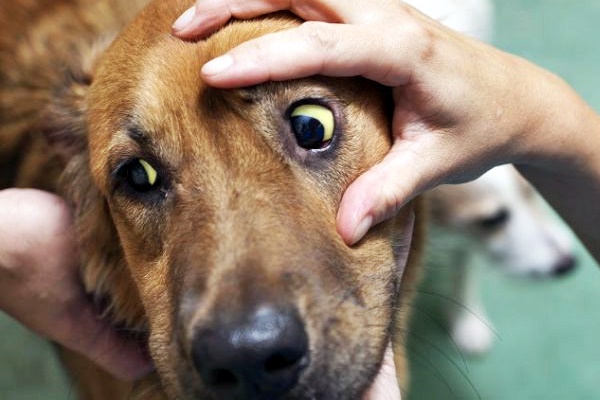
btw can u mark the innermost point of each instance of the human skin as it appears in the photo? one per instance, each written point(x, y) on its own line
point(461, 106)
point(40, 287)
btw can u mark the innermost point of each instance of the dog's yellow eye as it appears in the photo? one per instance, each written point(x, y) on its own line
point(313, 125)
point(140, 175)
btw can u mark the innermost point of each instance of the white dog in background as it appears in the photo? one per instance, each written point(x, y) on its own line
point(471, 17)
point(502, 216)
point(499, 213)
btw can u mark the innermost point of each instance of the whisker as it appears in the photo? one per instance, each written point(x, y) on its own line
point(437, 373)
point(449, 360)
point(461, 306)
point(446, 332)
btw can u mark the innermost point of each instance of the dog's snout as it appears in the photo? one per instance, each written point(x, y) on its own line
point(565, 265)
point(259, 355)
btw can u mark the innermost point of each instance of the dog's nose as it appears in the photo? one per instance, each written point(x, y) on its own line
point(565, 265)
point(258, 355)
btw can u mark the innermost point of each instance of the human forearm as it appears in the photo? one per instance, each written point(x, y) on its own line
point(564, 164)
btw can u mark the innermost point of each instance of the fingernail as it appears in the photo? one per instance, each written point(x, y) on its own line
point(184, 19)
point(361, 229)
point(217, 65)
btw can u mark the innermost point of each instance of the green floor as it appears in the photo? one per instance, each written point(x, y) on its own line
point(547, 345)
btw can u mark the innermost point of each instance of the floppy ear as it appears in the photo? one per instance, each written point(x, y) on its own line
point(103, 268)
point(412, 257)
point(63, 122)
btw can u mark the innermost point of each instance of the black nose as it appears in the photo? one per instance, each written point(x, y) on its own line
point(565, 265)
point(258, 355)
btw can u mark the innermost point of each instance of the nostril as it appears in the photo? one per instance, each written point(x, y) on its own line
point(565, 265)
point(222, 379)
point(283, 362)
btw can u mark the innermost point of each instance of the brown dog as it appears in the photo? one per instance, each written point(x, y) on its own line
point(206, 217)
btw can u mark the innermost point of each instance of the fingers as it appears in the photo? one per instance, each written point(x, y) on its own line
point(385, 386)
point(314, 48)
point(35, 224)
point(372, 41)
point(209, 15)
point(380, 192)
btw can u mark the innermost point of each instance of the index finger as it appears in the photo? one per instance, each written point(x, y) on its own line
point(209, 15)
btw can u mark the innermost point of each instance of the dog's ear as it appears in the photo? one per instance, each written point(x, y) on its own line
point(103, 267)
point(63, 122)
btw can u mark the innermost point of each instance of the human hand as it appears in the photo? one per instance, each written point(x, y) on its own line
point(385, 386)
point(40, 287)
point(461, 107)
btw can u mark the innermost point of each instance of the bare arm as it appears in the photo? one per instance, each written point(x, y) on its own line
point(565, 165)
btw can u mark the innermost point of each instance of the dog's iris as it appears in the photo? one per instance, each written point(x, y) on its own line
point(313, 125)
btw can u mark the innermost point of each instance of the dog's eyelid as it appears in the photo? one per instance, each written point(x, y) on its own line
point(248, 95)
point(138, 135)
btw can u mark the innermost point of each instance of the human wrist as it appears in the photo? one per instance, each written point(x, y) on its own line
point(562, 133)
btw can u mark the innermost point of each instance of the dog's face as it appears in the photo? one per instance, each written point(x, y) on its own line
point(503, 212)
point(224, 203)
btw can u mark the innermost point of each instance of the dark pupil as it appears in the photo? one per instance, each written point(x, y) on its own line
point(137, 177)
point(495, 221)
point(309, 131)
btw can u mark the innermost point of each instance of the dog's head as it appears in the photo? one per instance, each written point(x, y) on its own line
point(209, 218)
point(503, 213)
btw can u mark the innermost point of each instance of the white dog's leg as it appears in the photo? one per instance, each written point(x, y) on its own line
point(469, 325)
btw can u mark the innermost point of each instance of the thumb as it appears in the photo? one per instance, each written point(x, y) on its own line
point(384, 189)
point(385, 386)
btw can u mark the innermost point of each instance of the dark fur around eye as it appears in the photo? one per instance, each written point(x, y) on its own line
point(495, 221)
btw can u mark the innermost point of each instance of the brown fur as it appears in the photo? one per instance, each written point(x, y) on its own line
point(242, 215)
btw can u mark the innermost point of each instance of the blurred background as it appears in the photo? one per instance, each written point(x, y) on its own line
point(546, 330)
